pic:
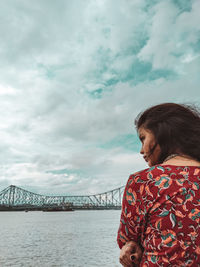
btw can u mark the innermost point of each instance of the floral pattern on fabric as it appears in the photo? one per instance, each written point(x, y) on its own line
point(161, 212)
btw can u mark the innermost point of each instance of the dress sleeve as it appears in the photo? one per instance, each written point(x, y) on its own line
point(133, 212)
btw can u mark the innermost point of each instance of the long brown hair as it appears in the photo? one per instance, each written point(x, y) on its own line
point(176, 128)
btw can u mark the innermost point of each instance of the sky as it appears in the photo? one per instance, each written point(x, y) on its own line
point(73, 77)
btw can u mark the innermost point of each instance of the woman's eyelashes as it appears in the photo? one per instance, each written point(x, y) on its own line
point(141, 138)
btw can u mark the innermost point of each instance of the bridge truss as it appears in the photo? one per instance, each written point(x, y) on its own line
point(14, 196)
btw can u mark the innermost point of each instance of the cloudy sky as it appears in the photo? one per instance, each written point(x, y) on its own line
point(74, 75)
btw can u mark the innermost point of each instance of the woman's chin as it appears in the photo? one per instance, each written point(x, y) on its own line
point(150, 164)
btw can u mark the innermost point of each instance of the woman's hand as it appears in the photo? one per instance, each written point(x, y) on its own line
point(130, 254)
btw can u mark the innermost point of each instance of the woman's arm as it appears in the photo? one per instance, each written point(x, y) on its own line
point(132, 221)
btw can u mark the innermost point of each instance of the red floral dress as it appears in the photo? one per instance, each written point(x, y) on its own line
point(161, 212)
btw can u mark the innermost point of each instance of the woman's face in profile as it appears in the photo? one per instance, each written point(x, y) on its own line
point(148, 141)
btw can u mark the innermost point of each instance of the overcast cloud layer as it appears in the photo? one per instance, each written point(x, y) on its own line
point(74, 74)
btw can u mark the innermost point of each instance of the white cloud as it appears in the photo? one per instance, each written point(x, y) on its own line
point(7, 90)
point(171, 35)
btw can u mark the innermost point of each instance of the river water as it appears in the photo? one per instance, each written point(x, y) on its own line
point(79, 238)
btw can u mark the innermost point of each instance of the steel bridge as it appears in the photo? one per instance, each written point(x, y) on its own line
point(14, 196)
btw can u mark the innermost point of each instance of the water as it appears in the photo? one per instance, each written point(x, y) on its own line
point(78, 239)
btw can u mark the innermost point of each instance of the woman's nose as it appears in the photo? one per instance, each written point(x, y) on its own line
point(141, 150)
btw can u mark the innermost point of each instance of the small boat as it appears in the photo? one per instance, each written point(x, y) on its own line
point(50, 209)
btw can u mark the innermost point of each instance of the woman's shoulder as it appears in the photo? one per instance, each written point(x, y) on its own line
point(157, 169)
point(160, 170)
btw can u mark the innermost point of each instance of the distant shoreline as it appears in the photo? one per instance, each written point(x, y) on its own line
point(25, 208)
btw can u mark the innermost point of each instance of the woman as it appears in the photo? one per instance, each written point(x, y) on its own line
point(160, 216)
